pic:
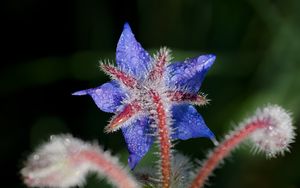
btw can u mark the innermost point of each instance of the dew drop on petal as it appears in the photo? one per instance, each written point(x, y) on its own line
point(98, 91)
point(187, 70)
point(174, 78)
point(140, 132)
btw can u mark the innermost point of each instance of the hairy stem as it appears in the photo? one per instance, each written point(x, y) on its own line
point(164, 140)
point(113, 172)
point(223, 150)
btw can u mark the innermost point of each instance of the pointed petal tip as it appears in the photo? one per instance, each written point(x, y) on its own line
point(210, 58)
point(126, 27)
point(131, 57)
point(79, 93)
point(189, 124)
point(133, 161)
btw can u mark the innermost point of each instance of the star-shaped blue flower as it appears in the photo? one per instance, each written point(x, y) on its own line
point(128, 96)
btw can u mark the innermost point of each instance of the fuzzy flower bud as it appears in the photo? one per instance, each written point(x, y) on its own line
point(64, 161)
point(277, 134)
point(270, 129)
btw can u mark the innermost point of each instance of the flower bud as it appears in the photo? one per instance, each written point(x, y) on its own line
point(64, 161)
point(278, 132)
point(52, 165)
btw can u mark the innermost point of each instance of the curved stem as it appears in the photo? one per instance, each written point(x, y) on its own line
point(223, 150)
point(114, 173)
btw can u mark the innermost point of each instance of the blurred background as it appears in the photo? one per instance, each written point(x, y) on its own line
point(51, 48)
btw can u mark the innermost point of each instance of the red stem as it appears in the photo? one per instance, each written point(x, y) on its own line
point(223, 150)
point(164, 140)
point(113, 172)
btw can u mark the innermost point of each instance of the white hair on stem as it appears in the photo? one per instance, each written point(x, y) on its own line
point(64, 161)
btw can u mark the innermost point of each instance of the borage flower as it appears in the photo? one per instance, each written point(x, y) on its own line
point(147, 91)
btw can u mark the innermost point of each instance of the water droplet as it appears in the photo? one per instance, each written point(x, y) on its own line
point(140, 132)
point(187, 70)
point(174, 78)
point(67, 141)
point(77, 172)
point(141, 148)
point(36, 157)
point(98, 91)
point(52, 137)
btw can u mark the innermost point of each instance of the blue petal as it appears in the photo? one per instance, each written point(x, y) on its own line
point(130, 55)
point(138, 139)
point(189, 123)
point(190, 73)
point(107, 97)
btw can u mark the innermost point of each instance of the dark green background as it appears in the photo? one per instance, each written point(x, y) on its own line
point(52, 48)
